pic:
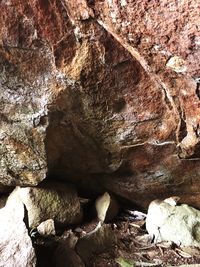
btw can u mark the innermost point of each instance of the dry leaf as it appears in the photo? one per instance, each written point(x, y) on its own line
point(183, 254)
point(135, 225)
point(143, 239)
point(192, 251)
point(151, 254)
point(164, 244)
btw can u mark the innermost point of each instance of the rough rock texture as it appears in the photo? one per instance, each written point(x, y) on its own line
point(16, 248)
point(66, 255)
point(47, 228)
point(55, 201)
point(100, 241)
point(179, 224)
point(105, 93)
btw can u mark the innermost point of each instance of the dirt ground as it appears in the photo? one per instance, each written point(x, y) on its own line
point(133, 246)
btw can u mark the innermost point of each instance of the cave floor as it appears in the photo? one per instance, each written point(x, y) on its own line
point(134, 249)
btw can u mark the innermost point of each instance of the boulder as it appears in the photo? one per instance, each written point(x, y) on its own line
point(53, 201)
point(102, 93)
point(179, 224)
point(16, 248)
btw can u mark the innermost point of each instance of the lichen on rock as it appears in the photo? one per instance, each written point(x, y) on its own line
point(53, 201)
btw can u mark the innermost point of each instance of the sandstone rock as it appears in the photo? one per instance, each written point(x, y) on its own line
point(47, 228)
point(87, 95)
point(16, 248)
point(179, 224)
point(53, 201)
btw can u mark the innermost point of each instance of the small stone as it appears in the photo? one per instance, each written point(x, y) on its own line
point(47, 228)
point(177, 64)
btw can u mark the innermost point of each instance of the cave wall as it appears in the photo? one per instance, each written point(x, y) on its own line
point(102, 93)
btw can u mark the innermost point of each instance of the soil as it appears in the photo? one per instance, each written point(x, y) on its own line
point(134, 245)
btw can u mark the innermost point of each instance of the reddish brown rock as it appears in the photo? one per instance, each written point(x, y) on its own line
point(104, 93)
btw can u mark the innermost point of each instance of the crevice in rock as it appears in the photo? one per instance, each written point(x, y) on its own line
point(119, 105)
point(181, 131)
point(198, 90)
point(26, 218)
point(90, 3)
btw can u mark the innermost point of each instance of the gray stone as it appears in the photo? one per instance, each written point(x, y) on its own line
point(55, 201)
point(179, 224)
point(47, 228)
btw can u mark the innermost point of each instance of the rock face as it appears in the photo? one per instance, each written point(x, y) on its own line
point(102, 93)
point(179, 224)
point(15, 244)
point(57, 202)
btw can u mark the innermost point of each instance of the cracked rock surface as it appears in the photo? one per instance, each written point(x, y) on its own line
point(102, 93)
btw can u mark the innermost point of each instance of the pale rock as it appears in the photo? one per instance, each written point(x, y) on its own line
point(172, 200)
point(53, 201)
point(106, 207)
point(16, 248)
point(177, 64)
point(179, 224)
point(47, 228)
